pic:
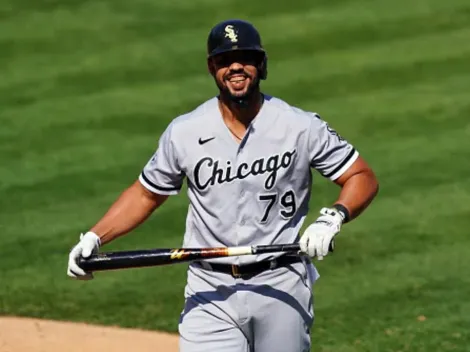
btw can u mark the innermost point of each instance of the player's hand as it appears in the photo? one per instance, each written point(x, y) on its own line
point(318, 237)
point(89, 244)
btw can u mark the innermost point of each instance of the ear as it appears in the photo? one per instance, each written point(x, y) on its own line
point(263, 68)
point(210, 66)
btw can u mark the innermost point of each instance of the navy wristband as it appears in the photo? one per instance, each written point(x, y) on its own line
point(345, 212)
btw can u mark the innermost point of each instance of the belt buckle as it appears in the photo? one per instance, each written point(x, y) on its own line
point(236, 271)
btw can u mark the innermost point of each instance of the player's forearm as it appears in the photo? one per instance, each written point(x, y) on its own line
point(358, 192)
point(132, 208)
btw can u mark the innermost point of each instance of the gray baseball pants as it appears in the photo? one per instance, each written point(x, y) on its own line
point(270, 312)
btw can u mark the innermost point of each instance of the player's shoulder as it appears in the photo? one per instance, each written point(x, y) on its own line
point(291, 113)
point(194, 119)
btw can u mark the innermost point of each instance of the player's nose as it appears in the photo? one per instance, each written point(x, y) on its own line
point(236, 66)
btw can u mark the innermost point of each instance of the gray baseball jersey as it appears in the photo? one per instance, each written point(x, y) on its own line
point(249, 193)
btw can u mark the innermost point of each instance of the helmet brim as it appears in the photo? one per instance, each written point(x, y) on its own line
point(236, 48)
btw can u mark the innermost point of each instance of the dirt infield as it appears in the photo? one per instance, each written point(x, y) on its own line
point(34, 335)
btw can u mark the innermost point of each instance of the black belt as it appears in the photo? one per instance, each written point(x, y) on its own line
point(253, 269)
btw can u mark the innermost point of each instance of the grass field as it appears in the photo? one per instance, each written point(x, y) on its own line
point(86, 88)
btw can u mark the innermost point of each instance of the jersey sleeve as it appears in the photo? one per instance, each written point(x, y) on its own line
point(162, 174)
point(329, 153)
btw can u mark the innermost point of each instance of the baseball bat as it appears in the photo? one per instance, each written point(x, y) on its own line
point(164, 256)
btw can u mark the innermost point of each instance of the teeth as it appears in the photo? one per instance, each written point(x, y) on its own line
point(237, 78)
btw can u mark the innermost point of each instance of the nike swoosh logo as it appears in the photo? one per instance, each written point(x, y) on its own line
point(203, 141)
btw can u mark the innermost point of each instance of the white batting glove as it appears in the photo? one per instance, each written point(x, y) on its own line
point(317, 238)
point(89, 244)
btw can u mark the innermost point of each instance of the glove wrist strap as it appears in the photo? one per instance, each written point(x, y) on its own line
point(343, 211)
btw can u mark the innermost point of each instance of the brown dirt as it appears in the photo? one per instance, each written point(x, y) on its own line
point(35, 335)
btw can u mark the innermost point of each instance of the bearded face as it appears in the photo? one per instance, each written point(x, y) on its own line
point(236, 73)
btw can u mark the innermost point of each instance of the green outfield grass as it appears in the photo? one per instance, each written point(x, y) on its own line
point(87, 87)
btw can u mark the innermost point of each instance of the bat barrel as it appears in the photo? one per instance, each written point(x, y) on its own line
point(125, 259)
point(146, 258)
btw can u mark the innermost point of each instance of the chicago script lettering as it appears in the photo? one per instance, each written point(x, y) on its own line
point(221, 174)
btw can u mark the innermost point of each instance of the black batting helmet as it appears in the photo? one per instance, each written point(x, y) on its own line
point(233, 35)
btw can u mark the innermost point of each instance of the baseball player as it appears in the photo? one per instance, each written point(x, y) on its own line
point(247, 158)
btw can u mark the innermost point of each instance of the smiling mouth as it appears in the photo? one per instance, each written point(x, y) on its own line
point(237, 81)
point(237, 78)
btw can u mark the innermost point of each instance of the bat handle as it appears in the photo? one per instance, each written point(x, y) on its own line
point(331, 247)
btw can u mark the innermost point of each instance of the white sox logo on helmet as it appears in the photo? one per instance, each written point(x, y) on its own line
point(230, 33)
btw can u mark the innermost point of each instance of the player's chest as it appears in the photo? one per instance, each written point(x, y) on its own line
point(260, 165)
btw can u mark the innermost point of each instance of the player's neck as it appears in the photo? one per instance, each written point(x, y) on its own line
point(235, 114)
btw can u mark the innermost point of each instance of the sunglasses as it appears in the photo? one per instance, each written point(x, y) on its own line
point(244, 57)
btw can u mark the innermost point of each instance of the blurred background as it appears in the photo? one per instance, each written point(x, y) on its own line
point(87, 87)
